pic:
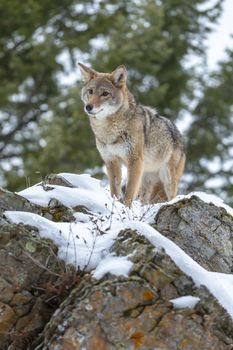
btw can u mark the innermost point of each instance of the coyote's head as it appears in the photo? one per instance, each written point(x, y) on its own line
point(102, 93)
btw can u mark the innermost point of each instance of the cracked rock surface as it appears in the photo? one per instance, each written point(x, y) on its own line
point(33, 280)
point(203, 231)
point(30, 276)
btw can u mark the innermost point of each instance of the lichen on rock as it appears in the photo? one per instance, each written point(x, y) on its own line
point(48, 305)
point(136, 312)
point(29, 267)
point(202, 230)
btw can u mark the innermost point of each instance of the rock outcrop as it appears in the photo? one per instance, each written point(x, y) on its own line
point(47, 305)
point(33, 281)
point(135, 312)
point(202, 230)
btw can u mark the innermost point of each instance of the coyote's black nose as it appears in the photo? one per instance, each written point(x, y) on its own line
point(89, 108)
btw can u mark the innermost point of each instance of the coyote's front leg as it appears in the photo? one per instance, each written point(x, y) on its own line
point(114, 177)
point(135, 171)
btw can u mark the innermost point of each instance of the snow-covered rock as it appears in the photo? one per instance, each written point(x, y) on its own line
point(167, 251)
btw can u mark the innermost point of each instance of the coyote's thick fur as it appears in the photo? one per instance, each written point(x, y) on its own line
point(128, 133)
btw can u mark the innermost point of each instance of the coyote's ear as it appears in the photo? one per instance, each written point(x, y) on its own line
point(87, 73)
point(119, 76)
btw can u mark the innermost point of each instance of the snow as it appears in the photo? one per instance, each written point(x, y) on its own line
point(205, 197)
point(70, 197)
point(83, 181)
point(87, 242)
point(219, 284)
point(185, 301)
point(184, 261)
point(116, 265)
point(88, 192)
point(76, 242)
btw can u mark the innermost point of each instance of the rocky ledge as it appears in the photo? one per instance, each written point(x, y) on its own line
point(47, 304)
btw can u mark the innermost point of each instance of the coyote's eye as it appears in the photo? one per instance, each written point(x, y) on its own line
point(105, 93)
point(90, 91)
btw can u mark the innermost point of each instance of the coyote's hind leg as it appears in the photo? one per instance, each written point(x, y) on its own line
point(171, 174)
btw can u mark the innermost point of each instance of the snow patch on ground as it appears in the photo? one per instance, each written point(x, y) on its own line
point(116, 265)
point(78, 243)
point(185, 301)
point(70, 197)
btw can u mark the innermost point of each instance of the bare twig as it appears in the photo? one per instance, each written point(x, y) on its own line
point(41, 265)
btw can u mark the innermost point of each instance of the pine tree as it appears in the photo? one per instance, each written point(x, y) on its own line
point(154, 43)
point(44, 126)
point(33, 36)
point(210, 146)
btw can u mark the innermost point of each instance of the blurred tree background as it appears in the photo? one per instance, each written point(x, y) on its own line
point(43, 126)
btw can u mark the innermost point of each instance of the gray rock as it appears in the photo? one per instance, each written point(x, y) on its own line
point(135, 312)
point(12, 201)
point(31, 284)
point(203, 231)
point(54, 179)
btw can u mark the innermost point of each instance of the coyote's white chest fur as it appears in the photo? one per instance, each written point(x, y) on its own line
point(128, 133)
point(118, 150)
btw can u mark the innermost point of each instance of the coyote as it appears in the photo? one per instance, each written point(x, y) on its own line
point(149, 145)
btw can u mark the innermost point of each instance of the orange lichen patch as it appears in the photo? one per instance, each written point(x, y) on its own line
point(97, 341)
point(137, 338)
point(7, 317)
point(128, 325)
point(97, 295)
point(68, 345)
point(157, 278)
point(127, 295)
point(186, 342)
point(20, 299)
point(148, 295)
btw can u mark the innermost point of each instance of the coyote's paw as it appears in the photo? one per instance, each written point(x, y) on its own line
point(127, 202)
